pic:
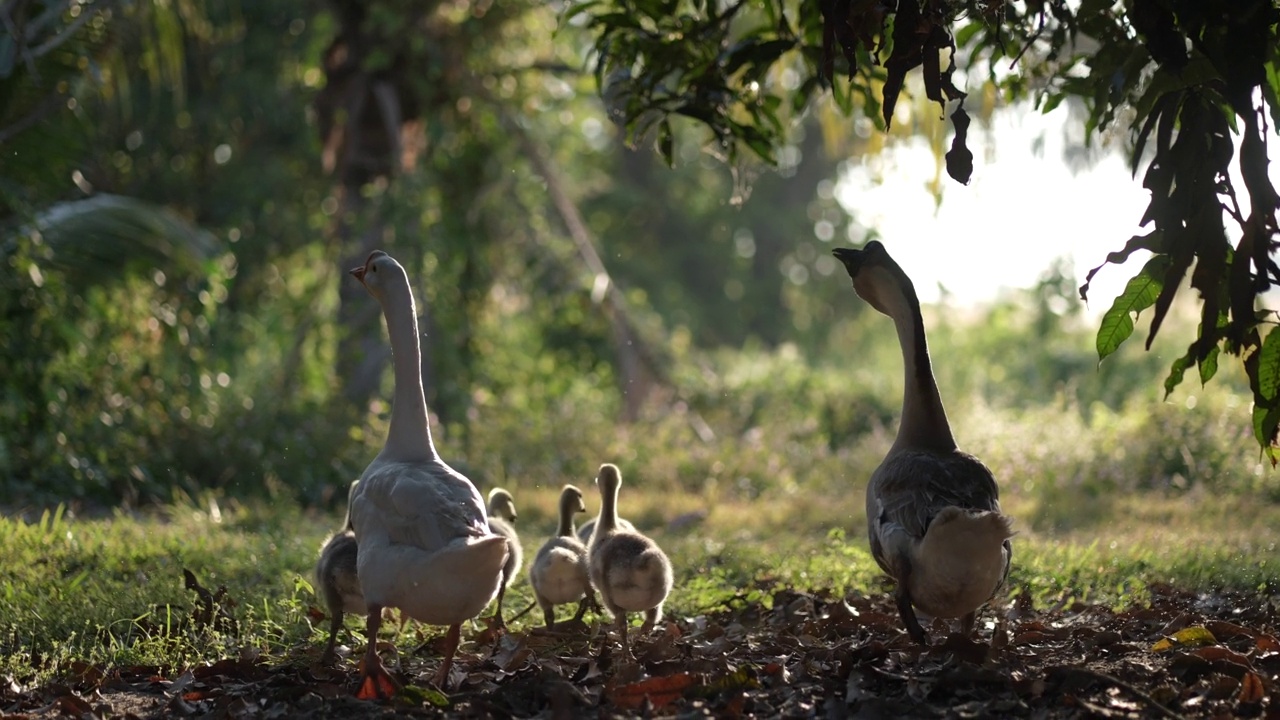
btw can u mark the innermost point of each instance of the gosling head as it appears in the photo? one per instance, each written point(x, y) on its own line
point(874, 274)
point(571, 500)
point(609, 478)
point(502, 505)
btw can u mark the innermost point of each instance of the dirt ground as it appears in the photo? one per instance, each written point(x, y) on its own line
point(1184, 655)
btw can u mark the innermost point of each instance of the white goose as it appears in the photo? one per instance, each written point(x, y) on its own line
point(630, 570)
point(559, 573)
point(502, 516)
point(424, 544)
point(933, 511)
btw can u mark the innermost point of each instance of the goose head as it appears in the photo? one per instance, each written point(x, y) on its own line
point(379, 273)
point(502, 505)
point(877, 278)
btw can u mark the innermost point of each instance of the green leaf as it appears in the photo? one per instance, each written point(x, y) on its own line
point(424, 696)
point(754, 52)
point(1271, 90)
point(1265, 422)
point(1177, 371)
point(1051, 102)
point(666, 143)
point(1139, 294)
point(1269, 366)
point(1209, 366)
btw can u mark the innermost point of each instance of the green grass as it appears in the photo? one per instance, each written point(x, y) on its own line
point(109, 590)
point(764, 465)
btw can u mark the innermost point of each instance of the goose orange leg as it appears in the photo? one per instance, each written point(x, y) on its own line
point(375, 682)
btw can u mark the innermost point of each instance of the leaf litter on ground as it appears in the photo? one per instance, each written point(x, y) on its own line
point(793, 654)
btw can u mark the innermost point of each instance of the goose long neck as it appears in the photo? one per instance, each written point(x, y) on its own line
point(409, 438)
point(608, 510)
point(924, 420)
point(566, 528)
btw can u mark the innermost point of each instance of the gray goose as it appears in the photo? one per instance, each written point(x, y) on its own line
point(933, 511)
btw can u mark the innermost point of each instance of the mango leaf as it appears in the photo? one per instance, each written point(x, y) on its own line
point(1139, 294)
point(1269, 366)
point(1265, 421)
point(1153, 241)
point(1194, 636)
point(1176, 372)
point(666, 143)
point(1271, 88)
point(1209, 366)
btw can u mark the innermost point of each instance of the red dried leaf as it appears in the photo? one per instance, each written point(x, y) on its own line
point(661, 691)
point(1223, 629)
point(1251, 688)
point(85, 674)
point(75, 706)
point(1267, 643)
point(1218, 652)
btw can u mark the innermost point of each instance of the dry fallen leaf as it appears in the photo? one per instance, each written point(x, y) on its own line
point(1252, 689)
point(1196, 636)
point(1218, 652)
point(658, 691)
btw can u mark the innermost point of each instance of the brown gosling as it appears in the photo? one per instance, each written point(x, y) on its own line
point(630, 570)
point(560, 571)
point(502, 516)
point(339, 586)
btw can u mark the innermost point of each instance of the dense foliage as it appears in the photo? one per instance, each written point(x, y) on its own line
point(183, 184)
point(1197, 85)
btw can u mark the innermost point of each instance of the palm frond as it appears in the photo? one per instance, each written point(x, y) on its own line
point(108, 237)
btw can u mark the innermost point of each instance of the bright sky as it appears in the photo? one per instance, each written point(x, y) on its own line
point(1022, 209)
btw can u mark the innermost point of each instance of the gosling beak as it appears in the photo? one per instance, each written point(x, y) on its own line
point(358, 273)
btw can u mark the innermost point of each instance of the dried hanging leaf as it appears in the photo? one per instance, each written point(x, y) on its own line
point(959, 157)
point(1196, 636)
